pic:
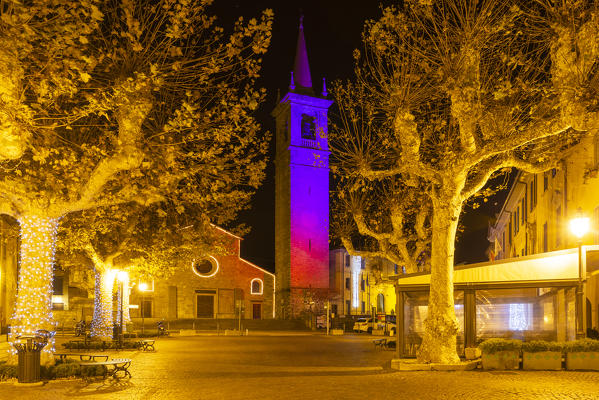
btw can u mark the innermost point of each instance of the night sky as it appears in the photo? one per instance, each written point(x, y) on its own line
point(332, 30)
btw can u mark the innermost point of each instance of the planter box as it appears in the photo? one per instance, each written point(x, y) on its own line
point(472, 353)
point(583, 360)
point(542, 360)
point(501, 360)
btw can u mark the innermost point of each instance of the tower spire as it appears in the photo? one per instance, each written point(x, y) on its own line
point(301, 67)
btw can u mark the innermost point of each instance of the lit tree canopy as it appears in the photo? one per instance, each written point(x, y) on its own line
point(457, 90)
point(384, 218)
point(150, 100)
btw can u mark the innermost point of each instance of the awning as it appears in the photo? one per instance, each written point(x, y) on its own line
point(556, 265)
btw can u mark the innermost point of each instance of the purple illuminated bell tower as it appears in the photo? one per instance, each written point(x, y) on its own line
point(301, 191)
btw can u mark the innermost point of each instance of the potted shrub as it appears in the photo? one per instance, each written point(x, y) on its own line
point(582, 354)
point(501, 353)
point(542, 355)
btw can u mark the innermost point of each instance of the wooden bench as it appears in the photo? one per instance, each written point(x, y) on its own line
point(147, 345)
point(82, 357)
point(111, 368)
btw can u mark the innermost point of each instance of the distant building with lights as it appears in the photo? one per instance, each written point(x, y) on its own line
point(301, 193)
point(361, 286)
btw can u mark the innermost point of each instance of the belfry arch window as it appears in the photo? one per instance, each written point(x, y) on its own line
point(256, 286)
point(308, 127)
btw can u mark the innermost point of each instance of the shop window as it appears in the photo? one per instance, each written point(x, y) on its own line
point(525, 314)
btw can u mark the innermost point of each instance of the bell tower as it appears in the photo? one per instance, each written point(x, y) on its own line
point(301, 190)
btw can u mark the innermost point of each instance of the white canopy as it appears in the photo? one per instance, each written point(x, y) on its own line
point(556, 265)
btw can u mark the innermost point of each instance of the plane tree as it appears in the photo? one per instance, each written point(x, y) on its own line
point(457, 90)
point(148, 98)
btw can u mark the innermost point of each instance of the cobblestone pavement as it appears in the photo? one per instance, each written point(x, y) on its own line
point(301, 367)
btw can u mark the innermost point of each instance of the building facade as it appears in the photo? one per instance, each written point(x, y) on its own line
point(301, 192)
point(217, 287)
point(536, 214)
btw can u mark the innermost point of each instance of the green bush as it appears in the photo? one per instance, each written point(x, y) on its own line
point(491, 346)
point(582, 345)
point(100, 345)
point(7, 371)
point(536, 346)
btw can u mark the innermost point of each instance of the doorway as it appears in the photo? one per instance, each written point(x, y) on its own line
point(257, 310)
point(205, 306)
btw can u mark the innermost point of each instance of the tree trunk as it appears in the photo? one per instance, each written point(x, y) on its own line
point(33, 308)
point(102, 323)
point(441, 325)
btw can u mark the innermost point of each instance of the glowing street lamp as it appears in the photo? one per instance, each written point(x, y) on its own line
point(579, 227)
point(122, 277)
point(142, 287)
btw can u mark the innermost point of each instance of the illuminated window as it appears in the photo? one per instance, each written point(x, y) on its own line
point(206, 267)
point(308, 127)
point(520, 317)
point(256, 286)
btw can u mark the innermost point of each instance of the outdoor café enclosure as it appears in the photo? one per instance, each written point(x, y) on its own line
point(527, 298)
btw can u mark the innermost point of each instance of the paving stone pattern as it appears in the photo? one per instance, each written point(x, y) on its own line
point(302, 367)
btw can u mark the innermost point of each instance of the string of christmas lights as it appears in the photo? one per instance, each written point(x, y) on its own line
point(102, 323)
point(33, 308)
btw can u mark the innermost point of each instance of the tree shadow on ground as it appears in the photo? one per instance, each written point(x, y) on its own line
point(95, 387)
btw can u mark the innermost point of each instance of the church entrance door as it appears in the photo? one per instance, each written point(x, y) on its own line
point(256, 310)
point(205, 306)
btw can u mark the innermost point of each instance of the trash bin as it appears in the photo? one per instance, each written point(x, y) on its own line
point(29, 348)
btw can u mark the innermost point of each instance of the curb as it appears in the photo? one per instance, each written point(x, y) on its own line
point(412, 365)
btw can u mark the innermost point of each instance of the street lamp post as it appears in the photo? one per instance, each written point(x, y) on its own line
point(142, 288)
point(122, 276)
point(579, 226)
